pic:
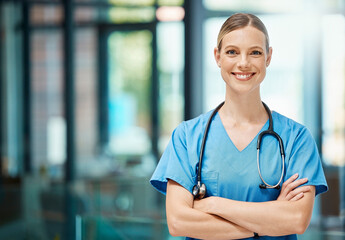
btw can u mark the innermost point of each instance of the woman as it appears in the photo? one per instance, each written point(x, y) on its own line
point(235, 206)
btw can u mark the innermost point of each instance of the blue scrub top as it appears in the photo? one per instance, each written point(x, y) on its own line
point(233, 174)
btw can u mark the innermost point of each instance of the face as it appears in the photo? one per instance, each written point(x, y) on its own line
point(243, 60)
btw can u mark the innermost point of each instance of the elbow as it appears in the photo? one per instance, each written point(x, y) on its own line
point(174, 226)
point(301, 229)
point(302, 223)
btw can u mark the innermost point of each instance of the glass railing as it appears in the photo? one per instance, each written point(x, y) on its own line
point(316, 233)
point(122, 228)
point(117, 208)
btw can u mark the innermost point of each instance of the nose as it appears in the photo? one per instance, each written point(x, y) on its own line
point(243, 62)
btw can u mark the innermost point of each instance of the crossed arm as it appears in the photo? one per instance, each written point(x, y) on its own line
point(221, 218)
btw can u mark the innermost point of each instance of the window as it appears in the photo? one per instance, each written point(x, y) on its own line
point(130, 71)
point(48, 124)
point(333, 86)
point(170, 67)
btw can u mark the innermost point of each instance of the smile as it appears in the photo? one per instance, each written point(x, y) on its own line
point(243, 76)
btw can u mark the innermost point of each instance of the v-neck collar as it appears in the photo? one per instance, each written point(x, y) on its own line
point(264, 127)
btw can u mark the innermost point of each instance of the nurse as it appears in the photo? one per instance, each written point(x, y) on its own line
point(235, 207)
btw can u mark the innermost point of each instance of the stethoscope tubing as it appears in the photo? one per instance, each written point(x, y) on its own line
point(277, 186)
point(269, 131)
point(202, 149)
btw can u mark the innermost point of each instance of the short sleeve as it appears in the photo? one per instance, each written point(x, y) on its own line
point(174, 163)
point(305, 160)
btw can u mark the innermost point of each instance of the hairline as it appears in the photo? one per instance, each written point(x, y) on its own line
point(249, 24)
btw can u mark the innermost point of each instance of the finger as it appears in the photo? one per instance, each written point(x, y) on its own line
point(297, 183)
point(291, 179)
point(297, 197)
point(290, 187)
point(302, 189)
point(297, 191)
point(288, 193)
point(287, 182)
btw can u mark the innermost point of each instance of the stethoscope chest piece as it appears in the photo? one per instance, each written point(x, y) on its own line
point(199, 190)
point(264, 186)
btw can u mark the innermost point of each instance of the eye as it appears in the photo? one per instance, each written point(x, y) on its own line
point(256, 53)
point(231, 52)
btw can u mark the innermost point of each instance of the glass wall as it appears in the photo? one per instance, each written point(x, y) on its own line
point(130, 71)
point(333, 85)
point(171, 85)
point(122, 103)
point(10, 105)
point(48, 125)
point(86, 83)
point(333, 109)
point(130, 94)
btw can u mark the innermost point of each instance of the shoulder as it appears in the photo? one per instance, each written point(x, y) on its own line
point(192, 126)
point(286, 121)
point(282, 122)
point(290, 129)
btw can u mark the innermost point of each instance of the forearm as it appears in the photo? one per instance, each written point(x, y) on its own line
point(274, 218)
point(196, 224)
point(267, 218)
point(184, 220)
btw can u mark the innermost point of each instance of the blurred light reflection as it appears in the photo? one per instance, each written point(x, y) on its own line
point(165, 14)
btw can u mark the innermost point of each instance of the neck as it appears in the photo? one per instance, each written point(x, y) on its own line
point(244, 109)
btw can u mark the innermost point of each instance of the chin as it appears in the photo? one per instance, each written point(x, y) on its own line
point(242, 89)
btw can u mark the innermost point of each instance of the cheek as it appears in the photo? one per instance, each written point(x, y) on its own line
point(227, 63)
point(261, 65)
point(262, 75)
point(223, 73)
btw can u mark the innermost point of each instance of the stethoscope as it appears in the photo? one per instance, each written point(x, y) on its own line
point(199, 190)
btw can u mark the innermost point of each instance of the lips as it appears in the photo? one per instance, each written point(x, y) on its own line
point(243, 76)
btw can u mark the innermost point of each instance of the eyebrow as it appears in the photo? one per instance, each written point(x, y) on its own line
point(230, 46)
point(234, 46)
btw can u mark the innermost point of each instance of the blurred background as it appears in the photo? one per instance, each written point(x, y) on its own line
point(91, 91)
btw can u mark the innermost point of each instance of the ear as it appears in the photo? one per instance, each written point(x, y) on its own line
point(269, 56)
point(216, 56)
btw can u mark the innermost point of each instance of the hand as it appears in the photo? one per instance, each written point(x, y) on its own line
point(291, 190)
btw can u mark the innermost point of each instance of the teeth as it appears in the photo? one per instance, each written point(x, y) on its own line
point(242, 76)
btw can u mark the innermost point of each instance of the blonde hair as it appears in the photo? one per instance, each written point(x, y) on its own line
point(241, 20)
